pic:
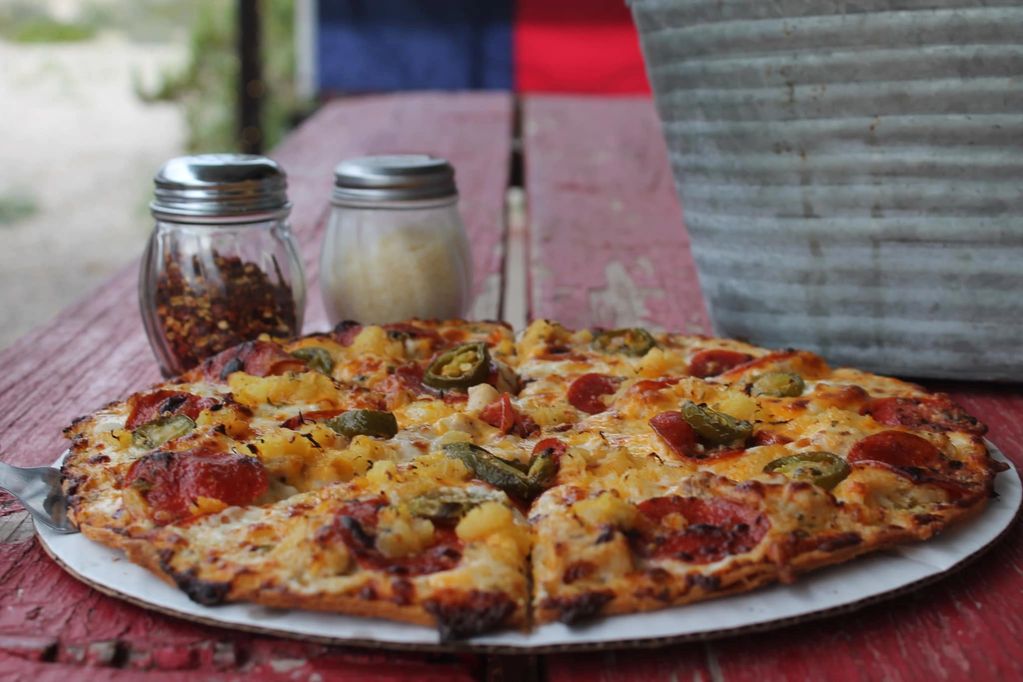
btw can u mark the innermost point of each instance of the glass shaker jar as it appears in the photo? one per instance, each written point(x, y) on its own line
point(221, 265)
point(395, 246)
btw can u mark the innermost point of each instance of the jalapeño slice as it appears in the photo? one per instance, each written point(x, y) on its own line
point(631, 341)
point(155, 433)
point(459, 368)
point(490, 469)
point(364, 423)
point(820, 468)
point(505, 475)
point(716, 428)
point(445, 504)
point(317, 358)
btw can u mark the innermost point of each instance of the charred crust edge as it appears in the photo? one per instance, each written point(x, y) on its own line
point(581, 607)
point(205, 592)
point(461, 615)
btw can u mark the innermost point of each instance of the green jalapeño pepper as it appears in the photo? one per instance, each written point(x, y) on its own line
point(543, 469)
point(715, 428)
point(508, 476)
point(634, 342)
point(364, 423)
point(155, 433)
point(317, 358)
point(459, 368)
point(820, 468)
point(491, 469)
point(445, 504)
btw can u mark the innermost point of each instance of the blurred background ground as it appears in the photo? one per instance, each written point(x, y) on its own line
point(94, 96)
point(78, 152)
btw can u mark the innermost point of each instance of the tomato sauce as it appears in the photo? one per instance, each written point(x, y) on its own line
point(502, 415)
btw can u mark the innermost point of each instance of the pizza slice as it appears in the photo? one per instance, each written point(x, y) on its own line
point(657, 540)
point(416, 542)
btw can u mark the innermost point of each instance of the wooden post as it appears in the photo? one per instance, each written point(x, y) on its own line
point(250, 78)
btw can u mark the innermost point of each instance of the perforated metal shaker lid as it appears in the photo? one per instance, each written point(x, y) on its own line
point(396, 177)
point(218, 187)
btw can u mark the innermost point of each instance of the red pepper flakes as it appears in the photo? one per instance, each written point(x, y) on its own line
point(203, 311)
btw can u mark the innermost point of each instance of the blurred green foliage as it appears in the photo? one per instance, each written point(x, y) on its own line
point(23, 21)
point(46, 30)
point(15, 208)
point(207, 86)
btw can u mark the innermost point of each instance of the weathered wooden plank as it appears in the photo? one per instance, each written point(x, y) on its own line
point(686, 663)
point(606, 237)
point(596, 175)
point(96, 351)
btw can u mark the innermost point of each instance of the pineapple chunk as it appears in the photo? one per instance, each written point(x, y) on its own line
point(605, 509)
point(307, 388)
point(657, 363)
point(494, 523)
point(374, 340)
point(401, 534)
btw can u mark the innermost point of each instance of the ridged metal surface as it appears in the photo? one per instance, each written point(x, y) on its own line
point(851, 174)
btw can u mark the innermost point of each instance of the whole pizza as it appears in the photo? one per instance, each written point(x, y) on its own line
point(451, 474)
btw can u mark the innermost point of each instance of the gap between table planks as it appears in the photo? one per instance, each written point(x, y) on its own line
point(593, 160)
point(51, 626)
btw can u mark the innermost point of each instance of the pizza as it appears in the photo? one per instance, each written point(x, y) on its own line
point(451, 474)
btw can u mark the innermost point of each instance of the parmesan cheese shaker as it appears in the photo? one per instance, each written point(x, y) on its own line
point(395, 247)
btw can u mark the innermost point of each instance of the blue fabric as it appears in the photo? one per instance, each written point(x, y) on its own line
point(373, 45)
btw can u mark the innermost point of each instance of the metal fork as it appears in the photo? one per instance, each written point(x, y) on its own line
point(39, 490)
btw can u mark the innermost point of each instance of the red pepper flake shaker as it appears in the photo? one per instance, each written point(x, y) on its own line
point(221, 265)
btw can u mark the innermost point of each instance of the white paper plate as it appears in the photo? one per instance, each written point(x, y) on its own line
point(831, 590)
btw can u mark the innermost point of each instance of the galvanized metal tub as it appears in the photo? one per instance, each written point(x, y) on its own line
point(851, 174)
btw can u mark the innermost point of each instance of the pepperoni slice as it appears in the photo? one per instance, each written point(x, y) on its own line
point(148, 406)
point(909, 456)
point(714, 529)
point(584, 393)
point(896, 449)
point(357, 524)
point(930, 414)
point(709, 363)
point(258, 358)
point(171, 482)
point(676, 433)
point(501, 414)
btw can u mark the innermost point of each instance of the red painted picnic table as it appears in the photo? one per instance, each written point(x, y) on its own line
point(600, 241)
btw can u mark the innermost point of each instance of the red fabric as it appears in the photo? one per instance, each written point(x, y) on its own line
point(577, 46)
